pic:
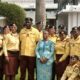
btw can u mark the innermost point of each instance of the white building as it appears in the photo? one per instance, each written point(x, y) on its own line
point(69, 15)
point(2, 21)
point(29, 6)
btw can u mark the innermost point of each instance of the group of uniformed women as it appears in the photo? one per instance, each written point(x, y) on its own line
point(9, 52)
point(64, 47)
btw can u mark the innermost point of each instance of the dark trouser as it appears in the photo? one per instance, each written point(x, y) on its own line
point(53, 71)
point(27, 62)
point(60, 66)
point(1, 67)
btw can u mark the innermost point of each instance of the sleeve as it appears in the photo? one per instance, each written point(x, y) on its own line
point(49, 54)
point(5, 41)
point(67, 51)
point(75, 73)
point(64, 76)
point(37, 50)
point(20, 35)
point(73, 76)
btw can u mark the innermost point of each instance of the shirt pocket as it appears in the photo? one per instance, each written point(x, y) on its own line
point(23, 36)
point(32, 37)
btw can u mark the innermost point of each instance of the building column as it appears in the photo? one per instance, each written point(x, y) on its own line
point(70, 21)
point(73, 20)
point(78, 19)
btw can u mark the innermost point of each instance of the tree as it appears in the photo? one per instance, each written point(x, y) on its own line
point(13, 14)
point(41, 12)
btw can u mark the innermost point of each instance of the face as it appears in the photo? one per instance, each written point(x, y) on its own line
point(6, 30)
point(75, 34)
point(51, 31)
point(14, 28)
point(62, 36)
point(45, 35)
point(73, 61)
point(28, 24)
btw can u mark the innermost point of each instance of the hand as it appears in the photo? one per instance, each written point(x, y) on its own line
point(43, 60)
point(56, 61)
point(60, 60)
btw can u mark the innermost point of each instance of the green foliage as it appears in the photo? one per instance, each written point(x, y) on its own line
point(13, 14)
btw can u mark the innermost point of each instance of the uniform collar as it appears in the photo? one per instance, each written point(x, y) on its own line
point(52, 35)
point(77, 38)
point(28, 29)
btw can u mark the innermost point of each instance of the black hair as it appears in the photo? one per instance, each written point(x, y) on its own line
point(11, 24)
point(63, 32)
point(47, 26)
point(5, 27)
point(74, 28)
point(40, 22)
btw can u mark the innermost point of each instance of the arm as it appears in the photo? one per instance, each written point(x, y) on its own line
point(37, 50)
point(73, 76)
point(5, 41)
point(75, 73)
point(64, 76)
point(67, 51)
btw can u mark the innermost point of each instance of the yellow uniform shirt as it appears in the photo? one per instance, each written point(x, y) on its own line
point(28, 39)
point(1, 44)
point(53, 38)
point(41, 35)
point(10, 42)
point(71, 73)
point(73, 48)
point(61, 46)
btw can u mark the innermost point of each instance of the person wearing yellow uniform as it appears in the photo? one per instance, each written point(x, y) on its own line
point(1, 55)
point(53, 38)
point(11, 48)
point(72, 71)
point(73, 45)
point(60, 50)
point(39, 27)
point(29, 37)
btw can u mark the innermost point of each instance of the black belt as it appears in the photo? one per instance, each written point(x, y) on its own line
point(14, 53)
